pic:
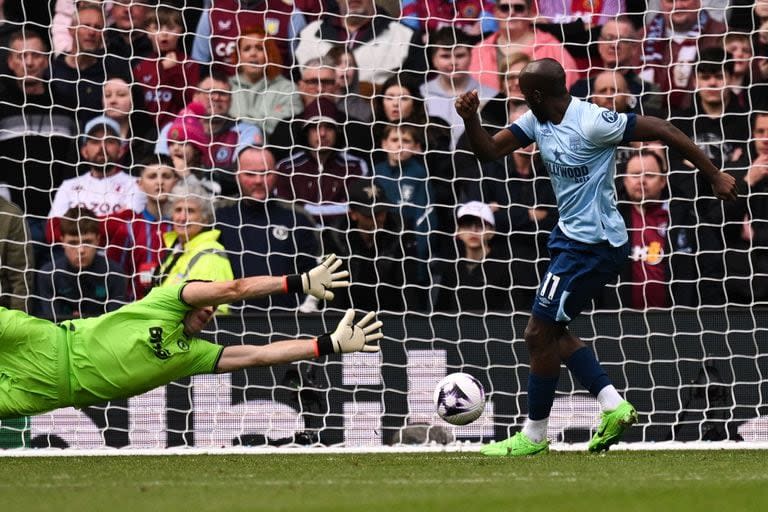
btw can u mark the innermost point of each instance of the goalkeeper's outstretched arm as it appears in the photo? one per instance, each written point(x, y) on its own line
point(318, 282)
point(348, 337)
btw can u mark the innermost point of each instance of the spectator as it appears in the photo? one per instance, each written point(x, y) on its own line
point(403, 178)
point(719, 127)
point(755, 227)
point(401, 103)
point(451, 55)
point(658, 246)
point(476, 274)
point(36, 149)
point(225, 135)
point(220, 25)
point(599, 13)
point(619, 48)
point(520, 195)
point(747, 82)
point(127, 36)
point(715, 122)
point(516, 34)
point(318, 81)
point(77, 78)
point(136, 238)
point(260, 92)
point(165, 74)
point(195, 250)
point(105, 188)
point(378, 250)
point(351, 100)
point(382, 46)
point(188, 145)
point(496, 112)
point(316, 177)
point(263, 234)
point(16, 258)
point(135, 132)
point(610, 90)
point(472, 17)
point(577, 24)
point(81, 282)
point(674, 38)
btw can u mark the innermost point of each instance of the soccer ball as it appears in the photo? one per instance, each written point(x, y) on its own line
point(459, 398)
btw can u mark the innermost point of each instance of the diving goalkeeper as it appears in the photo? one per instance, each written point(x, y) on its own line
point(151, 342)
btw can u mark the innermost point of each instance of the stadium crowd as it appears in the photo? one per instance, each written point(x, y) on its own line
point(144, 142)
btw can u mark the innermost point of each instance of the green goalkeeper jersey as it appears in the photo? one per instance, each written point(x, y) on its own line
point(134, 349)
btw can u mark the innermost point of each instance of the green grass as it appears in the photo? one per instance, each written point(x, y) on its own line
point(625, 481)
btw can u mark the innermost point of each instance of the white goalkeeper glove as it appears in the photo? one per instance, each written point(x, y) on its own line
point(349, 337)
point(320, 280)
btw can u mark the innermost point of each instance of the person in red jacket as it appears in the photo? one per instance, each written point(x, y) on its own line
point(135, 239)
point(166, 77)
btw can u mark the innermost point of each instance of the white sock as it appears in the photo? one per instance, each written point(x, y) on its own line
point(536, 430)
point(609, 398)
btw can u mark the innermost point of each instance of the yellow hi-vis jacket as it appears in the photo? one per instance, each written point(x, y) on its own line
point(203, 258)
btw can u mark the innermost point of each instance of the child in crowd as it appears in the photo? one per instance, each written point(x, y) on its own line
point(136, 241)
point(167, 76)
point(476, 275)
point(403, 177)
point(451, 56)
point(188, 147)
point(81, 282)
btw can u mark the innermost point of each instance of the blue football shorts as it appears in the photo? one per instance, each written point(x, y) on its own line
point(576, 275)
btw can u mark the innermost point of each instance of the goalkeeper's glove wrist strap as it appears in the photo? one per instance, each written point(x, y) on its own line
point(324, 345)
point(293, 284)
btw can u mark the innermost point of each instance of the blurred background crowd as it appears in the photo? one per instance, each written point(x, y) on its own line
point(145, 142)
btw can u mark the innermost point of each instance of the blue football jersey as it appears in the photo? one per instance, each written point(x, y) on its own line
point(580, 156)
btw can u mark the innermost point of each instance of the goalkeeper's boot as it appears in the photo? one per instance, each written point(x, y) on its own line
point(612, 426)
point(518, 445)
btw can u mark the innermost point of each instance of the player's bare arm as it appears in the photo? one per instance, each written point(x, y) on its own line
point(485, 147)
point(653, 128)
point(318, 282)
point(348, 337)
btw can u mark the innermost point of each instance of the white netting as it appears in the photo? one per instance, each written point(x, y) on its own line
point(342, 90)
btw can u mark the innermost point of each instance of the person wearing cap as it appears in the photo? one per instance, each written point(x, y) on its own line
point(375, 247)
point(476, 275)
point(263, 234)
point(315, 176)
point(188, 148)
point(105, 188)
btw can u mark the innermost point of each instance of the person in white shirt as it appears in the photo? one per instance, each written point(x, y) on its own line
point(105, 188)
point(451, 56)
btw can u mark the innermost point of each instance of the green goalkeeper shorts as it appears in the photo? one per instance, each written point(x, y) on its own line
point(33, 358)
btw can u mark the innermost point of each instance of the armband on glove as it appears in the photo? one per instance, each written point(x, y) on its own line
point(319, 281)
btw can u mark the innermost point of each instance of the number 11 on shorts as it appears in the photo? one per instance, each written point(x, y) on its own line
point(549, 286)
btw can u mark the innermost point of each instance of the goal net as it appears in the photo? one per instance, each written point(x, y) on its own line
point(134, 131)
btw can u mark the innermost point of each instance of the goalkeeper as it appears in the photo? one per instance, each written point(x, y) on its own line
point(577, 141)
point(151, 342)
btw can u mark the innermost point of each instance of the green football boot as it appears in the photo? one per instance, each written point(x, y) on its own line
point(612, 426)
point(519, 445)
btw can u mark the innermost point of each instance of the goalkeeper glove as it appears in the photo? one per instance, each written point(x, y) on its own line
point(319, 281)
point(349, 337)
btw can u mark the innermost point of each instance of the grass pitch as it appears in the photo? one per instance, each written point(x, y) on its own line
point(654, 481)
